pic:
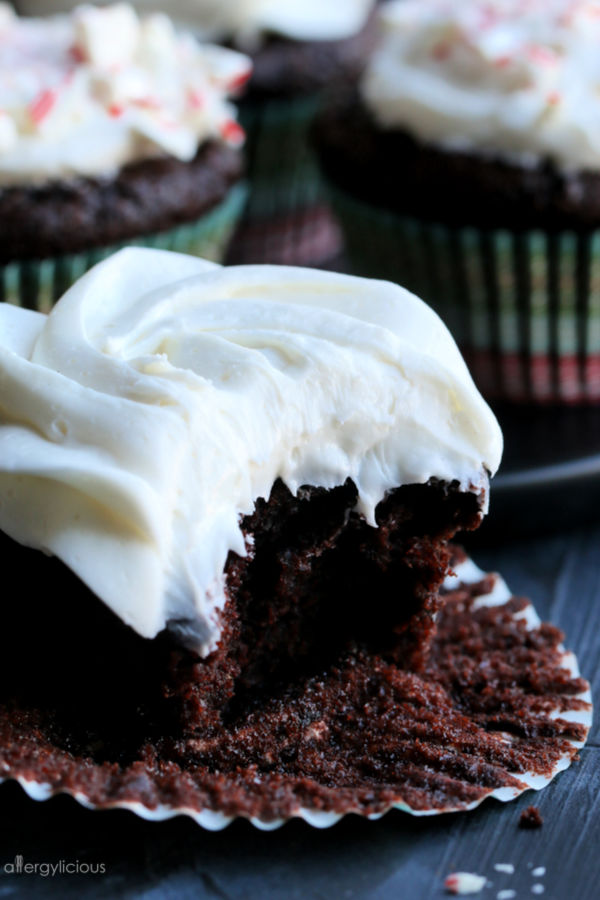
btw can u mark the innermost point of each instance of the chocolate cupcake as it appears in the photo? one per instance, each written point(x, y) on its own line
point(467, 166)
point(113, 129)
point(297, 48)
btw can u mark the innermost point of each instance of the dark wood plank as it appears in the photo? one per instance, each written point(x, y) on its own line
point(396, 857)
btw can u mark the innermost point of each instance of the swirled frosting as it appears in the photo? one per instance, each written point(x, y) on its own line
point(511, 78)
point(245, 21)
point(87, 93)
point(163, 395)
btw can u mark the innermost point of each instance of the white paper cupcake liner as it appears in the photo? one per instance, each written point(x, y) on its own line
point(496, 594)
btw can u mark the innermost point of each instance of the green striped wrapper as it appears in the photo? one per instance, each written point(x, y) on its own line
point(524, 307)
point(38, 284)
point(288, 219)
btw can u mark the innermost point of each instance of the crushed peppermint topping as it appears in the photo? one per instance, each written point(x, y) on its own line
point(505, 867)
point(108, 77)
point(42, 106)
point(539, 872)
point(464, 883)
point(232, 132)
point(516, 78)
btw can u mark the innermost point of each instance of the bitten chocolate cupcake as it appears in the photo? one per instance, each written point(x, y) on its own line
point(113, 129)
point(466, 164)
point(249, 477)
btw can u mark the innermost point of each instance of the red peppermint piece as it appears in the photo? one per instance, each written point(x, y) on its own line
point(42, 106)
point(147, 102)
point(116, 110)
point(464, 883)
point(542, 55)
point(195, 99)
point(232, 131)
point(239, 81)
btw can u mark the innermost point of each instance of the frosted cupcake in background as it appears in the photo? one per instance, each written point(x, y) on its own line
point(466, 165)
point(113, 129)
point(298, 47)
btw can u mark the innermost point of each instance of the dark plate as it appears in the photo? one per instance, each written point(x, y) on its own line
point(549, 479)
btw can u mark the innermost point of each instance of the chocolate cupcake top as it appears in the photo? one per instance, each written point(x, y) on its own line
point(509, 78)
point(247, 21)
point(87, 93)
point(163, 395)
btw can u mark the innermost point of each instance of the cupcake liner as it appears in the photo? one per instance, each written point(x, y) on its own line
point(553, 725)
point(287, 219)
point(524, 307)
point(38, 284)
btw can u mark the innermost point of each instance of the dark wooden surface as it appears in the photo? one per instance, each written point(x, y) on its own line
point(397, 857)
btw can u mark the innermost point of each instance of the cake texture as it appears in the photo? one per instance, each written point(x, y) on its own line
point(469, 151)
point(499, 708)
point(244, 481)
point(112, 128)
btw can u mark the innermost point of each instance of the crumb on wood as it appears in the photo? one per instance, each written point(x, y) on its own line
point(531, 818)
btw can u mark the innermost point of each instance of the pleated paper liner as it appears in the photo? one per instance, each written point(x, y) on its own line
point(499, 678)
point(524, 307)
point(288, 219)
point(38, 284)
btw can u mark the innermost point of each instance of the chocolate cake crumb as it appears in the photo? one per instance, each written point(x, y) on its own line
point(531, 818)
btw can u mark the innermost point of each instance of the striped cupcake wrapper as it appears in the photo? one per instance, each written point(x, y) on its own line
point(287, 219)
point(38, 284)
point(524, 307)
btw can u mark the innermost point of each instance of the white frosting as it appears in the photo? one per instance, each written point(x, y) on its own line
point(512, 78)
point(246, 20)
point(87, 93)
point(163, 395)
